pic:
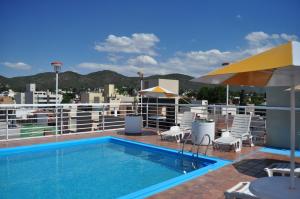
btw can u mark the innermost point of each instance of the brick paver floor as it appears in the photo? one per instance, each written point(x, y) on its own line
point(247, 164)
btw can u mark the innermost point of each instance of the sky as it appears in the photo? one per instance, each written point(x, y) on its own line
point(191, 37)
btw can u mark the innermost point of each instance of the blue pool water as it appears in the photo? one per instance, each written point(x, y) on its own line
point(95, 168)
point(279, 151)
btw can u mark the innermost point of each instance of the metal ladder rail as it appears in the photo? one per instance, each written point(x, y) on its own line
point(184, 143)
point(207, 145)
point(198, 145)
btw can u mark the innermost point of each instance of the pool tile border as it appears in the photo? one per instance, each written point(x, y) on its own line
point(146, 192)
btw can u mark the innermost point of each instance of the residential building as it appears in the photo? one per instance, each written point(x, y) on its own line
point(20, 98)
point(9, 116)
point(31, 96)
point(91, 97)
point(109, 91)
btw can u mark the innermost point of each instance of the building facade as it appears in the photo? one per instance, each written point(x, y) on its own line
point(31, 96)
point(91, 97)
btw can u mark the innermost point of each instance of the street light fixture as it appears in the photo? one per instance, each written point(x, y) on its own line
point(57, 67)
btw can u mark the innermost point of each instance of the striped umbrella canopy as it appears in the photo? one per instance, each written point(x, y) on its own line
point(157, 91)
point(279, 66)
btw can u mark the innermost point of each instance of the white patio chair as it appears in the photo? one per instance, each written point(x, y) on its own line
point(178, 132)
point(282, 168)
point(239, 132)
point(241, 191)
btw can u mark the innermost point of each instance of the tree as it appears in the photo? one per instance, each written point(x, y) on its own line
point(214, 95)
point(67, 97)
point(257, 99)
point(203, 93)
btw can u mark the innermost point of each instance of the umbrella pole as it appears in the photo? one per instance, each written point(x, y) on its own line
point(227, 98)
point(293, 131)
point(157, 120)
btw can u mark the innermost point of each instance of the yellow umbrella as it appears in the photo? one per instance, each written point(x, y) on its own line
point(157, 91)
point(279, 66)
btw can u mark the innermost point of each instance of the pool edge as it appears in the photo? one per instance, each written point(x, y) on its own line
point(146, 192)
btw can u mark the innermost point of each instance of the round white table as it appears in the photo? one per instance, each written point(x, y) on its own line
point(276, 187)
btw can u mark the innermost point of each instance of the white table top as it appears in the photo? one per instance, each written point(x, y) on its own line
point(276, 187)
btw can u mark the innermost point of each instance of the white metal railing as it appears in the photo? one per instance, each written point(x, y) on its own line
point(21, 121)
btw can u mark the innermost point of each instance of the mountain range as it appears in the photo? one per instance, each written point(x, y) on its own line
point(93, 80)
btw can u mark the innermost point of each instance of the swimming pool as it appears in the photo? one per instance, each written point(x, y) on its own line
point(105, 167)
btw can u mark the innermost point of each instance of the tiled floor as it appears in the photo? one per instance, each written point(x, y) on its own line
point(248, 165)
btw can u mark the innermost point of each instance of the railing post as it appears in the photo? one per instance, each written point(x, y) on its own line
point(214, 110)
point(176, 109)
point(147, 112)
point(103, 119)
point(61, 120)
point(56, 120)
point(6, 123)
point(227, 116)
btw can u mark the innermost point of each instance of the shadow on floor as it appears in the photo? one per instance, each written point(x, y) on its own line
point(254, 167)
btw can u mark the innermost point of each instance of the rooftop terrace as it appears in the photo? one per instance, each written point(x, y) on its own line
point(246, 166)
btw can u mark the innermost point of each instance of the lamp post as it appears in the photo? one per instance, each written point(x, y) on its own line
point(57, 67)
point(141, 75)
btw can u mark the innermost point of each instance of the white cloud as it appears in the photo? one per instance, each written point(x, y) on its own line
point(256, 37)
point(262, 39)
point(114, 58)
point(198, 62)
point(201, 62)
point(140, 43)
point(17, 65)
point(142, 60)
point(195, 62)
point(289, 37)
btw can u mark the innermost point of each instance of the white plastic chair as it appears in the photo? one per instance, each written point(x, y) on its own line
point(239, 132)
point(282, 168)
point(178, 132)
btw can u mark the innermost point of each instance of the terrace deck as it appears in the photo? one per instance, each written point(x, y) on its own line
point(248, 164)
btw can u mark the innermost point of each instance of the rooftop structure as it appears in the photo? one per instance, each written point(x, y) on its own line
point(169, 84)
point(91, 97)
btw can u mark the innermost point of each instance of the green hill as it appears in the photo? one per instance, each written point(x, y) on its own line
point(93, 80)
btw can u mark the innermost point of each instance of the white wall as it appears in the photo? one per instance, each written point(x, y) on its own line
point(169, 84)
point(278, 122)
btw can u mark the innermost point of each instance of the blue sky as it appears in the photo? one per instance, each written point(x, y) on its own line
point(156, 37)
